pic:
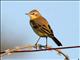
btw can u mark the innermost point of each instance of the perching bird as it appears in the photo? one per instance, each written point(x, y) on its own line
point(41, 27)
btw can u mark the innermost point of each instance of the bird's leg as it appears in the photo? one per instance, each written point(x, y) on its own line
point(37, 42)
point(46, 42)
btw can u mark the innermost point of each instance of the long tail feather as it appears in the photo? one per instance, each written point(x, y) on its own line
point(56, 41)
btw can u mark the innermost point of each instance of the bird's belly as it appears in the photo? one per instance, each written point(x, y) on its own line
point(42, 34)
point(38, 31)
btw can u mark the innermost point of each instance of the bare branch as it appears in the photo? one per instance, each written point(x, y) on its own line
point(43, 49)
point(40, 48)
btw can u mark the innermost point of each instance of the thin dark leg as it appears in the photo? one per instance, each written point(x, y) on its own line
point(46, 42)
point(37, 42)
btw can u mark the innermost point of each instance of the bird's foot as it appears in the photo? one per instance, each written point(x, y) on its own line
point(36, 46)
point(46, 46)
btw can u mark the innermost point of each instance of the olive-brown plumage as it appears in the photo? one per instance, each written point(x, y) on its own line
point(41, 27)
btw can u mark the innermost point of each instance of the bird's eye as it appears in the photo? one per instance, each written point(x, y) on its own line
point(32, 13)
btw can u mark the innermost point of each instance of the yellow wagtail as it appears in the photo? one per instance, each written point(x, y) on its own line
point(41, 27)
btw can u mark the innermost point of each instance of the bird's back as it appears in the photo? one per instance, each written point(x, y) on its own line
point(41, 26)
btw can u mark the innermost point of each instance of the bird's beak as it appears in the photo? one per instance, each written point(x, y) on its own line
point(26, 13)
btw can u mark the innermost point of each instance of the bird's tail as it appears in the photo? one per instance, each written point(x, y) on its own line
point(56, 41)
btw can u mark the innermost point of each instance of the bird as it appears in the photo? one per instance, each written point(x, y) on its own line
point(41, 26)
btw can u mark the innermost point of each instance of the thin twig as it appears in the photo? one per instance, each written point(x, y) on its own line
point(43, 49)
point(40, 48)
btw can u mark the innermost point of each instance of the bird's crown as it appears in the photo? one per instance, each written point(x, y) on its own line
point(34, 14)
point(34, 11)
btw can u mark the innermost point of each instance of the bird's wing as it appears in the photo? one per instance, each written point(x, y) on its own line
point(42, 26)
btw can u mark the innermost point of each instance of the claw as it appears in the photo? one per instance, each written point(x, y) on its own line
point(46, 46)
point(36, 46)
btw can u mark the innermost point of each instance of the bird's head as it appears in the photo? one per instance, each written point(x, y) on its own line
point(33, 14)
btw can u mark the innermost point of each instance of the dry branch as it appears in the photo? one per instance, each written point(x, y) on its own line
point(40, 48)
point(43, 49)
